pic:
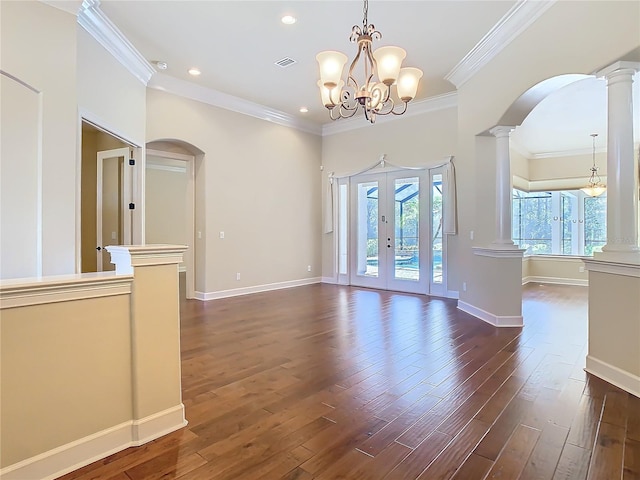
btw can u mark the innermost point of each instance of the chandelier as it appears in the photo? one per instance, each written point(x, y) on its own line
point(381, 69)
point(595, 188)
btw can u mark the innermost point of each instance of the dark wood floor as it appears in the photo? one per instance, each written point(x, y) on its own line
point(329, 382)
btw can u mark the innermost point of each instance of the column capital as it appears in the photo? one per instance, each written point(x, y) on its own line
point(617, 68)
point(501, 131)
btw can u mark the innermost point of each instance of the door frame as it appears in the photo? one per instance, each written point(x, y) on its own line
point(342, 197)
point(386, 279)
point(189, 254)
point(126, 195)
point(137, 147)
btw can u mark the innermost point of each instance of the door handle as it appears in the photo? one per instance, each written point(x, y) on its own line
point(98, 248)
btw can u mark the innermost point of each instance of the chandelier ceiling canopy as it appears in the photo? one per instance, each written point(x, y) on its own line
point(381, 69)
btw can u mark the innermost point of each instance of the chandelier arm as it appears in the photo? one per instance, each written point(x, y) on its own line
point(352, 112)
point(398, 112)
point(350, 79)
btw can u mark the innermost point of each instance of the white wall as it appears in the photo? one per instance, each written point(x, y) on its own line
point(39, 49)
point(108, 94)
point(257, 182)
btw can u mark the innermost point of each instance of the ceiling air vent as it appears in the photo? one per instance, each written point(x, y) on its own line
point(285, 62)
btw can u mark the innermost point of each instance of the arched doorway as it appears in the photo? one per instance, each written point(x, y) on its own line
point(170, 202)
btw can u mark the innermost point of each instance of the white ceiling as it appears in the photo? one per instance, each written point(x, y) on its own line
point(235, 45)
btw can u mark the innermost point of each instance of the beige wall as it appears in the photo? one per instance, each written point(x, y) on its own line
point(38, 46)
point(65, 374)
point(166, 201)
point(521, 65)
point(555, 269)
point(569, 167)
point(258, 182)
point(412, 141)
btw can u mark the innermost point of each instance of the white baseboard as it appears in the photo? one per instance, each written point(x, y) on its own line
point(453, 294)
point(329, 280)
point(255, 289)
point(614, 375)
point(74, 455)
point(495, 320)
point(556, 281)
point(157, 425)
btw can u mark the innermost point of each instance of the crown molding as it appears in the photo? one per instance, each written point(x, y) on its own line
point(567, 153)
point(98, 25)
point(431, 104)
point(182, 88)
point(512, 24)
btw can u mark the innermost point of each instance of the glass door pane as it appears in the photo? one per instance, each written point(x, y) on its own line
point(367, 262)
point(436, 229)
point(407, 229)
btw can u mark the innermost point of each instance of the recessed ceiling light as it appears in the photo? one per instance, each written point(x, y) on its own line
point(304, 109)
point(289, 20)
point(194, 71)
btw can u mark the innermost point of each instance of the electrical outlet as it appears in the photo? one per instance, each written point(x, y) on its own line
point(581, 269)
point(221, 234)
point(199, 234)
point(308, 268)
point(471, 235)
point(238, 276)
point(464, 286)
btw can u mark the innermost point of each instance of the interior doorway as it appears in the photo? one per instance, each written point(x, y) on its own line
point(106, 194)
point(170, 203)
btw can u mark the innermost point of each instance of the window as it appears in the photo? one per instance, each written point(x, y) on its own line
point(559, 223)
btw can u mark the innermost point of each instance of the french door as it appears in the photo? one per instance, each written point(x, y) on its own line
point(390, 231)
point(395, 234)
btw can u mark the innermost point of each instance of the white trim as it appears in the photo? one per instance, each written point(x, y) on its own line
point(431, 104)
point(74, 455)
point(577, 282)
point(205, 296)
point(165, 168)
point(614, 268)
point(104, 31)
point(498, 252)
point(182, 268)
point(455, 294)
point(125, 257)
point(330, 280)
point(216, 98)
point(513, 23)
point(170, 155)
point(614, 375)
point(567, 153)
point(490, 318)
point(153, 426)
point(63, 288)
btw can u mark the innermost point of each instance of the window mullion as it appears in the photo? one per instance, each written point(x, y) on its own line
point(556, 223)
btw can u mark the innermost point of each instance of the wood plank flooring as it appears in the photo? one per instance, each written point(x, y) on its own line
point(332, 382)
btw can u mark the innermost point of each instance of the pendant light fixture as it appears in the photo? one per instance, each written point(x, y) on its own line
point(595, 188)
point(380, 69)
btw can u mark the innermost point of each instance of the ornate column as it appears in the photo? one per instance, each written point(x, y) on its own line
point(504, 187)
point(622, 166)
